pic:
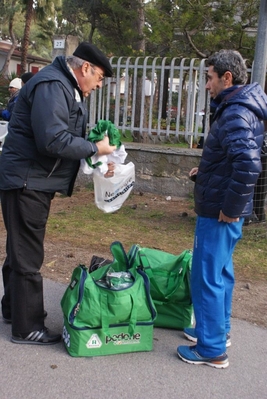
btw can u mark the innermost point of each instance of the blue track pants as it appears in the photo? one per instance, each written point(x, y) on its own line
point(212, 282)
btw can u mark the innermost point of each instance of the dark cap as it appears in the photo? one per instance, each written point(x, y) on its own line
point(88, 52)
point(26, 76)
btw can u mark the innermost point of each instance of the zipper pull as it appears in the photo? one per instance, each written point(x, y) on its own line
point(77, 309)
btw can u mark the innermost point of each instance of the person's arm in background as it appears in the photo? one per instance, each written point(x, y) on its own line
point(5, 114)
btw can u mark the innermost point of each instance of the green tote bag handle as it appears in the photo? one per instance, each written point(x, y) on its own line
point(105, 315)
point(148, 270)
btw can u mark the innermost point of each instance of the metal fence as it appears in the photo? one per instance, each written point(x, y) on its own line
point(154, 98)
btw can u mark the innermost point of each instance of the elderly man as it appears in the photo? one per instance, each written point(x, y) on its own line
point(14, 88)
point(225, 180)
point(41, 156)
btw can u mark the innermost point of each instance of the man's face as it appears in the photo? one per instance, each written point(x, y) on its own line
point(12, 90)
point(90, 79)
point(216, 85)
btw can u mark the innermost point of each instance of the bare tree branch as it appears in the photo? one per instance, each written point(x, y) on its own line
point(202, 55)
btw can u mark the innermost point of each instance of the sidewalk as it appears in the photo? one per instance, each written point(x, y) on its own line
point(32, 371)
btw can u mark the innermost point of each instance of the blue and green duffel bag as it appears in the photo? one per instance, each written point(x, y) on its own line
point(108, 311)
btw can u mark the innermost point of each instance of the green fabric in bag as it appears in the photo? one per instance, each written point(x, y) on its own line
point(169, 284)
point(88, 305)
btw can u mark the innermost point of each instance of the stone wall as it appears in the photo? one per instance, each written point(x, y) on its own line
point(160, 169)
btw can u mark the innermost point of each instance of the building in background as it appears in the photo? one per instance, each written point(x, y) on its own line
point(34, 63)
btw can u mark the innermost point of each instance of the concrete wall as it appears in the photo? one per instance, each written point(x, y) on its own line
point(64, 45)
point(160, 169)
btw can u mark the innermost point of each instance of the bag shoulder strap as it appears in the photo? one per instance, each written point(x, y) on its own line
point(133, 255)
point(119, 254)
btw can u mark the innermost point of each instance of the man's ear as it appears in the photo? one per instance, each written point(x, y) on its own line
point(85, 68)
point(228, 79)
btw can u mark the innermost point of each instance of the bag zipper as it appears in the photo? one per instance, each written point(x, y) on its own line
point(76, 308)
point(147, 291)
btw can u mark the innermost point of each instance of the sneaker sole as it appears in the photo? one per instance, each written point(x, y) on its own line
point(25, 342)
point(192, 339)
point(219, 365)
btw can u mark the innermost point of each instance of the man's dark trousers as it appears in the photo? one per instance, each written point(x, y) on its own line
point(25, 214)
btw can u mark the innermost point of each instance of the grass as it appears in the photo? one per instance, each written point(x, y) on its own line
point(149, 222)
point(251, 253)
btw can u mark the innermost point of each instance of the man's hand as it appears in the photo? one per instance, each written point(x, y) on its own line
point(226, 219)
point(193, 172)
point(103, 147)
point(111, 168)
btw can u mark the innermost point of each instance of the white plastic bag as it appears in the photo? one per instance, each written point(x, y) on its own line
point(87, 170)
point(117, 156)
point(111, 192)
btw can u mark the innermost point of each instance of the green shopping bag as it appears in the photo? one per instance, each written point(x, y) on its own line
point(108, 311)
point(169, 284)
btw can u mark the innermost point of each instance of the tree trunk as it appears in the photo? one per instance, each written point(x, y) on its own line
point(4, 71)
point(139, 46)
point(26, 36)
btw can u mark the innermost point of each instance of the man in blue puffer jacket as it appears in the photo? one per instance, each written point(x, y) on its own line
point(225, 180)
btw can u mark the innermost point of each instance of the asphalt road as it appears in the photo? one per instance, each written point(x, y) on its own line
point(49, 372)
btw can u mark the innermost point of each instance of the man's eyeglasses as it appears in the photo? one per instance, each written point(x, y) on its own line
point(101, 77)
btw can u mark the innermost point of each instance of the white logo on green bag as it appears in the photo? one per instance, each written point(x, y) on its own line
point(123, 339)
point(94, 342)
point(66, 337)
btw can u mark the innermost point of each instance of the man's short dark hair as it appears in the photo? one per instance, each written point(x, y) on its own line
point(26, 76)
point(232, 61)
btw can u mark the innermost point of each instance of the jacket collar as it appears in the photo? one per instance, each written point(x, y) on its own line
point(223, 94)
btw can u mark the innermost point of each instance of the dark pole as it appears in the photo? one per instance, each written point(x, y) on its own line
point(260, 58)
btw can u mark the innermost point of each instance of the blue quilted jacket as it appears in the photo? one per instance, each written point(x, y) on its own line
point(231, 159)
